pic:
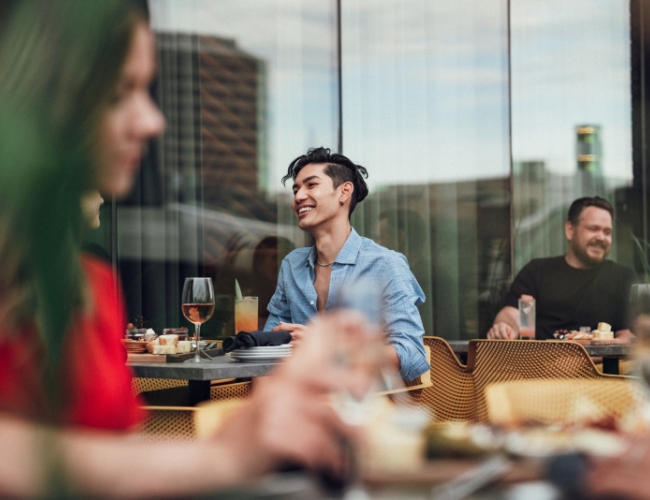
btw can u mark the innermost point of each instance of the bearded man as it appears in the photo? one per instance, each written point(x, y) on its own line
point(575, 290)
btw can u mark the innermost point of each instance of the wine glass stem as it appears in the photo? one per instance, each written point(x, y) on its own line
point(197, 351)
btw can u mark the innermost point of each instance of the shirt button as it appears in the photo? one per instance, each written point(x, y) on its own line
point(311, 303)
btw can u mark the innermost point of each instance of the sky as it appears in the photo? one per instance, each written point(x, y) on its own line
point(425, 82)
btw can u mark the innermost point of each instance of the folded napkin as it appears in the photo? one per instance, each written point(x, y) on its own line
point(257, 338)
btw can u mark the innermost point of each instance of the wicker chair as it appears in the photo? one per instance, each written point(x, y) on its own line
point(168, 423)
point(142, 384)
point(411, 392)
point(178, 422)
point(451, 394)
point(568, 401)
point(492, 361)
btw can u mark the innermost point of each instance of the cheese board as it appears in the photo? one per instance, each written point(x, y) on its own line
point(169, 358)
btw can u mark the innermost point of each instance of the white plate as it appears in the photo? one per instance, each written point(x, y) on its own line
point(259, 359)
point(267, 347)
point(264, 350)
point(259, 354)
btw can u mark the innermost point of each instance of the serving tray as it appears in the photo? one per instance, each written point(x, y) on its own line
point(169, 358)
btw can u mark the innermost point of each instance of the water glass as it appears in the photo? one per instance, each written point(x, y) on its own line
point(526, 317)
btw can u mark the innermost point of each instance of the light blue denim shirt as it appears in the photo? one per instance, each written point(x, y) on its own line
point(294, 300)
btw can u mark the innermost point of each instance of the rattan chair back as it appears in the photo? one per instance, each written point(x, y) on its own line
point(492, 361)
point(409, 392)
point(168, 423)
point(451, 394)
point(235, 390)
point(563, 401)
point(179, 422)
point(143, 384)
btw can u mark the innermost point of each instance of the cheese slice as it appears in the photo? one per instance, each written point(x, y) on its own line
point(164, 349)
point(604, 327)
point(168, 340)
point(183, 346)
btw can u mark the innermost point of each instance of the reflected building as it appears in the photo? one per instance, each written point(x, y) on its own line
point(213, 95)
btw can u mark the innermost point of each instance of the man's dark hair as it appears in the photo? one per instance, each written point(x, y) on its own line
point(340, 168)
point(576, 208)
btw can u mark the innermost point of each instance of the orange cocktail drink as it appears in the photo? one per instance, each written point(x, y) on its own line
point(246, 314)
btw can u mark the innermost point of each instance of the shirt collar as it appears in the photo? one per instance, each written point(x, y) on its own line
point(347, 255)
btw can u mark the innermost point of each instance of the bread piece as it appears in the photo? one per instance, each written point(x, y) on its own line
point(603, 335)
point(604, 327)
point(164, 349)
point(151, 345)
point(183, 347)
point(168, 340)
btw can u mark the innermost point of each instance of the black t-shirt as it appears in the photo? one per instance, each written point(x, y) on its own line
point(568, 298)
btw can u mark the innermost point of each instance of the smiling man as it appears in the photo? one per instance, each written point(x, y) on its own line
point(326, 189)
point(580, 288)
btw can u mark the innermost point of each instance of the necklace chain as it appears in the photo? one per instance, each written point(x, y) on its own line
point(323, 265)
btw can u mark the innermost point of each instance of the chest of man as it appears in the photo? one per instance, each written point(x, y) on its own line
point(570, 298)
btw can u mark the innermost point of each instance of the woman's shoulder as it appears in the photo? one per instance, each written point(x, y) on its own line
point(99, 273)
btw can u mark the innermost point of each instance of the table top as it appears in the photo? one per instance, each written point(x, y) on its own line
point(220, 367)
point(618, 350)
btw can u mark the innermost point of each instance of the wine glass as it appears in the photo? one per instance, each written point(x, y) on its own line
point(363, 296)
point(197, 304)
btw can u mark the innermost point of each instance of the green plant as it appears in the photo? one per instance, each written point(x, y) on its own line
point(643, 247)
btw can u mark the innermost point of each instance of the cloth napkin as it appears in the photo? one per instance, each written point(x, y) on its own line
point(257, 338)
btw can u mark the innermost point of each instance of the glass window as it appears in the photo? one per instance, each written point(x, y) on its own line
point(479, 121)
point(425, 109)
point(246, 86)
point(571, 115)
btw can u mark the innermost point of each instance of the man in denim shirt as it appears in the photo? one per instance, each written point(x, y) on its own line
point(326, 189)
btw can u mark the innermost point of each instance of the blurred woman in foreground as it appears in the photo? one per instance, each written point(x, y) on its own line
point(75, 113)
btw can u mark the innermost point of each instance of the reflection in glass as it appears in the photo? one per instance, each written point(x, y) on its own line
point(425, 110)
point(245, 85)
point(474, 121)
point(571, 114)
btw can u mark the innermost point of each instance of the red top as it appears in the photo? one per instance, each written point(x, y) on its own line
point(97, 383)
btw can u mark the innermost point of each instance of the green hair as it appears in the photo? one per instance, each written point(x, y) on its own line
point(60, 60)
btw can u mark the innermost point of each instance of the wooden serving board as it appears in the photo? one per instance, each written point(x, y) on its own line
point(168, 358)
point(609, 341)
point(146, 358)
point(598, 341)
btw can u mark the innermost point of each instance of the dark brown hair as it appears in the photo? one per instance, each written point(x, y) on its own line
point(580, 204)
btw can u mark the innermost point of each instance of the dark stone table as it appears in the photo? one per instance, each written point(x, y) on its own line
point(199, 375)
point(611, 353)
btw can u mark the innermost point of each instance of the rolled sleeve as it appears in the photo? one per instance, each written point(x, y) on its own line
point(403, 296)
point(278, 307)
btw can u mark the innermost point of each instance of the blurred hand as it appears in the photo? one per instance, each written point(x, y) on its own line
point(625, 476)
point(502, 331)
point(288, 418)
point(298, 332)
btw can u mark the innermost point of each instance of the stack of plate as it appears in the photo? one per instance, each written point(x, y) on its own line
point(262, 354)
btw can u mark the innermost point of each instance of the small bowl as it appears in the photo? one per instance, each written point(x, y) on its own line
point(134, 346)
